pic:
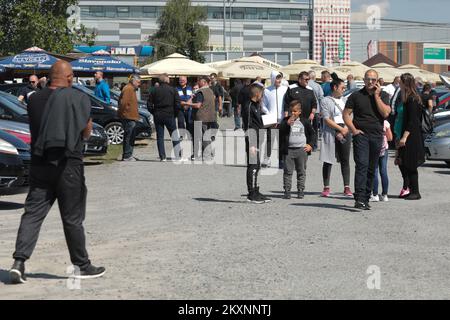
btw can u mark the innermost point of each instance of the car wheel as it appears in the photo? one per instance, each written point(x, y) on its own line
point(448, 163)
point(115, 133)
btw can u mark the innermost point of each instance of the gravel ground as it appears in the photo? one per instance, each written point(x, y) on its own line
point(167, 231)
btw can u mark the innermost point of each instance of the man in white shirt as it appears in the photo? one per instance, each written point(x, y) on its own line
point(272, 103)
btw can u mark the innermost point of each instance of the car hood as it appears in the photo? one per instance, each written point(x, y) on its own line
point(13, 125)
point(16, 142)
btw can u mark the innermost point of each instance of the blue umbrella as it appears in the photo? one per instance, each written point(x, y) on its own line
point(102, 61)
point(31, 59)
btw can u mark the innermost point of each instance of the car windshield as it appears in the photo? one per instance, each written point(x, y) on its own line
point(15, 107)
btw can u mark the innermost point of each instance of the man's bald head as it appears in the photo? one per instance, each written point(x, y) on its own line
point(61, 74)
point(34, 80)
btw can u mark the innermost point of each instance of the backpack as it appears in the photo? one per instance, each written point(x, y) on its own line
point(427, 121)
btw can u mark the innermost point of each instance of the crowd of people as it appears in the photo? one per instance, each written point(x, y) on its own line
point(371, 119)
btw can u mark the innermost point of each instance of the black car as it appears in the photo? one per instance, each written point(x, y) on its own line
point(12, 110)
point(106, 115)
point(15, 159)
point(97, 145)
point(103, 114)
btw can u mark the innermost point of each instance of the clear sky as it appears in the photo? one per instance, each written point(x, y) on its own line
point(414, 10)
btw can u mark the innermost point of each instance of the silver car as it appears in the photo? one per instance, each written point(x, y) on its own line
point(437, 145)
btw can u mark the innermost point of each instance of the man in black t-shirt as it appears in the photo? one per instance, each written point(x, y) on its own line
point(57, 171)
point(29, 90)
point(370, 107)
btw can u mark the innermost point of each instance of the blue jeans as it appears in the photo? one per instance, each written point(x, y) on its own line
point(170, 124)
point(382, 168)
point(129, 137)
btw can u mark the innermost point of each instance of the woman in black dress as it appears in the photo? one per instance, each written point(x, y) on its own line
point(411, 149)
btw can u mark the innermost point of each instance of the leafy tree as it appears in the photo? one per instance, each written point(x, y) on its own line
point(180, 30)
point(41, 23)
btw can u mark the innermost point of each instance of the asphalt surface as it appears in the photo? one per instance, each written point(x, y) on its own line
point(170, 231)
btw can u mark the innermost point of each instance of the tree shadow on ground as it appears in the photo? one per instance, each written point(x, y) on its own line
point(328, 206)
point(6, 206)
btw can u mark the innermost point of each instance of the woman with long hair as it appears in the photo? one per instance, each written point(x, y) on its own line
point(410, 147)
point(336, 143)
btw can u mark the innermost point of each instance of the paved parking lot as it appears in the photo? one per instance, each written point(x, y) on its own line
point(167, 231)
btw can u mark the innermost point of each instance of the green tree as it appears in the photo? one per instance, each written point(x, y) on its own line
point(180, 30)
point(41, 23)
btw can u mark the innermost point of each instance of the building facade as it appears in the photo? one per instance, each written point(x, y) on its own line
point(277, 29)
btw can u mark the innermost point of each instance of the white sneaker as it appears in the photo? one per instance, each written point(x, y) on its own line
point(374, 198)
point(385, 198)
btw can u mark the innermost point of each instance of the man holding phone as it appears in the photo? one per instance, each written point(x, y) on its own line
point(370, 107)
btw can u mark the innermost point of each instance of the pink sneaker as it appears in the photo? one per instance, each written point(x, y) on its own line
point(348, 192)
point(404, 193)
point(325, 193)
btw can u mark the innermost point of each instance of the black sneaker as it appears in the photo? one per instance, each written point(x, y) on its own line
point(17, 272)
point(287, 195)
point(413, 196)
point(368, 205)
point(253, 198)
point(90, 272)
point(361, 205)
point(262, 197)
point(301, 194)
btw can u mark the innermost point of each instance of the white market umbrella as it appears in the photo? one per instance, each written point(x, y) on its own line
point(417, 72)
point(261, 60)
point(243, 68)
point(352, 67)
point(387, 72)
point(177, 65)
point(300, 66)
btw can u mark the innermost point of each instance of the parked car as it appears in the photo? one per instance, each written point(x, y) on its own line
point(103, 114)
point(106, 115)
point(12, 110)
point(437, 144)
point(96, 145)
point(18, 129)
point(15, 159)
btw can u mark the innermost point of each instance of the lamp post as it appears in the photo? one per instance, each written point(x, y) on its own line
point(231, 2)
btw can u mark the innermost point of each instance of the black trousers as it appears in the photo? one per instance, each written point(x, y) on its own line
point(343, 156)
point(129, 137)
point(65, 183)
point(253, 167)
point(366, 149)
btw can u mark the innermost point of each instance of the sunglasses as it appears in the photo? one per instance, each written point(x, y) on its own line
point(371, 79)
